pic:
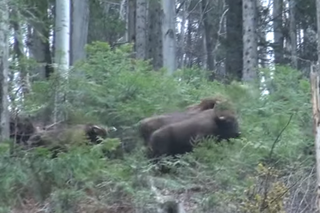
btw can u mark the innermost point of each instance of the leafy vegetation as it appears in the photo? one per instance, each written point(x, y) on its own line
point(255, 172)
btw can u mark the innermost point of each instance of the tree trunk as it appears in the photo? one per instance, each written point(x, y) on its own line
point(250, 53)
point(293, 34)
point(62, 58)
point(4, 67)
point(183, 35)
point(233, 44)
point(38, 41)
point(315, 91)
point(132, 10)
point(19, 55)
point(209, 20)
point(155, 34)
point(79, 31)
point(169, 35)
point(278, 31)
point(141, 23)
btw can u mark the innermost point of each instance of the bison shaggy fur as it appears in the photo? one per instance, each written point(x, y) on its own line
point(21, 129)
point(148, 125)
point(88, 132)
point(206, 103)
point(177, 138)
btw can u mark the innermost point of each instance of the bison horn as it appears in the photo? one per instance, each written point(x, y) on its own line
point(222, 117)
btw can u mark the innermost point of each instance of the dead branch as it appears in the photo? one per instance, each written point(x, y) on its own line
point(315, 91)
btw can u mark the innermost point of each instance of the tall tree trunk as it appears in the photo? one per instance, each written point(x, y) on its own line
point(209, 27)
point(250, 54)
point(141, 26)
point(38, 40)
point(234, 46)
point(19, 55)
point(278, 31)
point(293, 34)
point(79, 31)
point(155, 34)
point(183, 35)
point(188, 59)
point(169, 35)
point(4, 67)
point(132, 10)
point(62, 58)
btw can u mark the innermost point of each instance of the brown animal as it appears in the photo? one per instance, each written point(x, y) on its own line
point(74, 134)
point(148, 125)
point(206, 103)
point(21, 129)
point(177, 138)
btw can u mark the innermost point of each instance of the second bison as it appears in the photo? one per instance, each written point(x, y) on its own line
point(177, 138)
point(148, 125)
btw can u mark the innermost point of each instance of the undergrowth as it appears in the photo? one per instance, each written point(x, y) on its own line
point(259, 172)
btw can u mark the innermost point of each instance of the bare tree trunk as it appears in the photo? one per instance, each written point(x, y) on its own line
point(209, 20)
point(132, 9)
point(293, 34)
point(4, 67)
point(183, 35)
point(79, 31)
point(234, 46)
point(62, 51)
point(277, 30)
point(19, 53)
point(141, 26)
point(155, 34)
point(168, 33)
point(315, 91)
point(188, 59)
point(38, 41)
point(250, 54)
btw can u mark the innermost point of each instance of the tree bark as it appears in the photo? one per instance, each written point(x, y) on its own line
point(315, 91)
point(155, 34)
point(233, 44)
point(277, 31)
point(293, 34)
point(79, 31)
point(250, 53)
point(169, 35)
point(62, 51)
point(4, 67)
point(141, 26)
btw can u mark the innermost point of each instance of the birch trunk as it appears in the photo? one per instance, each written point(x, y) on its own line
point(169, 36)
point(62, 58)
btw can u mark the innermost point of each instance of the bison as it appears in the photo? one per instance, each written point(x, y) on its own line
point(176, 138)
point(77, 133)
point(148, 125)
point(21, 129)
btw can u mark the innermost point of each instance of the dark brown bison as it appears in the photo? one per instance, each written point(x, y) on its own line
point(21, 129)
point(75, 134)
point(177, 138)
point(148, 125)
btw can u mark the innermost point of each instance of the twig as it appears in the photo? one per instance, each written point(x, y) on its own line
point(279, 135)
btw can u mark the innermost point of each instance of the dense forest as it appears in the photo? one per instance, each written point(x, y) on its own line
point(159, 106)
